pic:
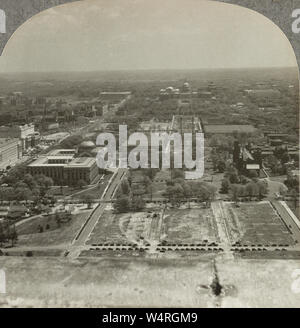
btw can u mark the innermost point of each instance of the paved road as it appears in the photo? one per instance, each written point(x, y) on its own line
point(96, 214)
point(288, 217)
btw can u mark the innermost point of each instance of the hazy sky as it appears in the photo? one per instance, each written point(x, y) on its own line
point(95, 35)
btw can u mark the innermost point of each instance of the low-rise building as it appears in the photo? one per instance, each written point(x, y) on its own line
point(64, 169)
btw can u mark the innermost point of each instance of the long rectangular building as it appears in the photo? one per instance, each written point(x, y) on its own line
point(64, 169)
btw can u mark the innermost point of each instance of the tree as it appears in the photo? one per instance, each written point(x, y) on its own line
point(30, 181)
point(203, 191)
point(16, 174)
point(81, 183)
point(174, 193)
point(58, 219)
point(125, 187)
point(294, 195)
point(2, 234)
point(253, 174)
point(44, 183)
point(282, 190)
point(241, 191)
point(251, 189)
point(187, 192)
point(122, 204)
point(88, 199)
point(12, 234)
point(150, 172)
point(148, 186)
point(232, 174)
point(7, 193)
point(221, 166)
point(23, 194)
point(71, 141)
point(284, 158)
point(224, 186)
point(234, 191)
point(292, 183)
point(177, 173)
point(137, 203)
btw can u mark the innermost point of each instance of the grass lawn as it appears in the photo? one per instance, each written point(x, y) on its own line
point(96, 192)
point(189, 226)
point(63, 235)
point(121, 228)
point(48, 223)
point(259, 223)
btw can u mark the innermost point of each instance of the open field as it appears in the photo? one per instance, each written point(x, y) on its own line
point(180, 226)
point(45, 223)
point(257, 224)
point(60, 236)
point(138, 282)
point(190, 226)
point(122, 228)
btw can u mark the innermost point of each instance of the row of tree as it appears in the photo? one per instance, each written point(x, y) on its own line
point(19, 185)
point(8, 233)
point(253, 189)
point(179, 189)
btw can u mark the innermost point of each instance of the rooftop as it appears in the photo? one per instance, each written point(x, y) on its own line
point(59, 152)
point(43, 161)
point(72, 163)
point(81, 162)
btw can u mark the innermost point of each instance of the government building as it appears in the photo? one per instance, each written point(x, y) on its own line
point(64, 169)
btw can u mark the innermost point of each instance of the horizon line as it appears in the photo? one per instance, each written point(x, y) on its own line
point(148, 69)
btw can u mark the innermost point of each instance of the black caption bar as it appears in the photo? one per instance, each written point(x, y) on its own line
point(142, 317)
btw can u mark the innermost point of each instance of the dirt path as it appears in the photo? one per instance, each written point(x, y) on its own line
point(220, 216)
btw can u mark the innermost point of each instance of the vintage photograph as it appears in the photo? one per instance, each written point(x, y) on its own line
point(149, 157)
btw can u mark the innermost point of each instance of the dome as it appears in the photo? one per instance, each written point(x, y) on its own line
point(87, 145)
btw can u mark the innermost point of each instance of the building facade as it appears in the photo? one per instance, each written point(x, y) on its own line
point(64, 169)
point(9, 152)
